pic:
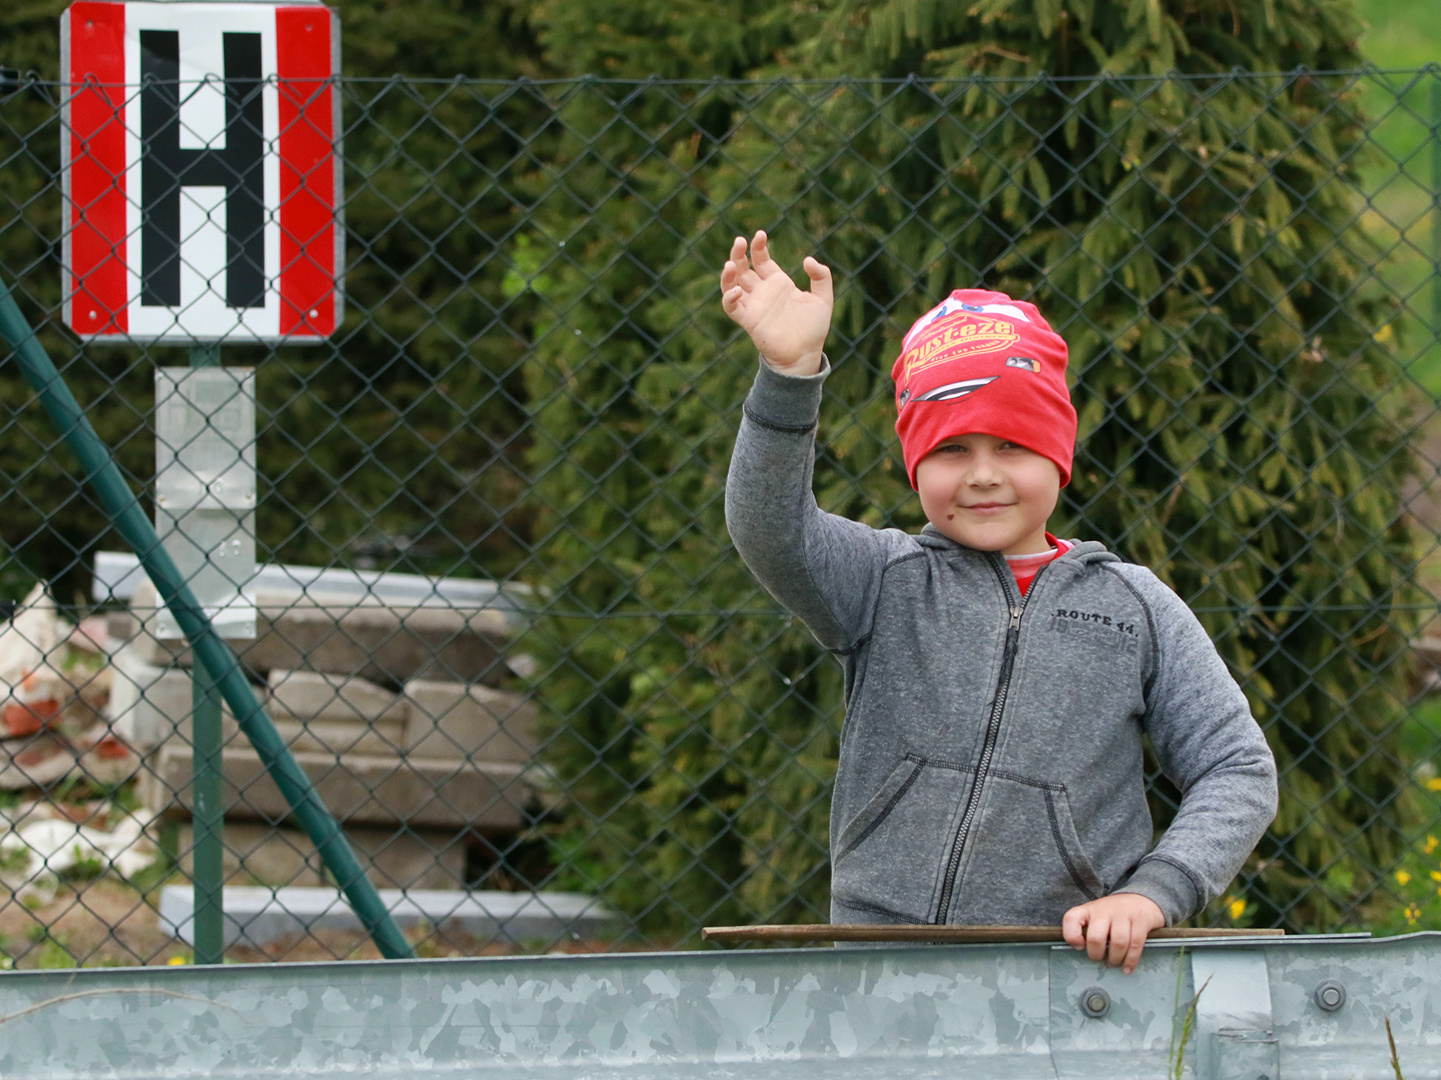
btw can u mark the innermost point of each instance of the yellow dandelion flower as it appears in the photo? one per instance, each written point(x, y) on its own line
point(175, 961)
point(1412, 913)
point(1236, 908)
point(1436, 875)
point(1402, 877)
point(1429, 846)
point(1434, 784)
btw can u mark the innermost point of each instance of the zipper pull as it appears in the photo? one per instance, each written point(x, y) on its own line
point(1015, 619)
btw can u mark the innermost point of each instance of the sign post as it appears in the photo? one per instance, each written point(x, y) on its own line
point(207, 768)
point(205, 513)
point(202, 207)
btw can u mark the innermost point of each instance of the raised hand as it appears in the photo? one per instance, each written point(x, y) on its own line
point(787, 325)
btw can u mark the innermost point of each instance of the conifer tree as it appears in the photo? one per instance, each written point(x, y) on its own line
point(1195, 240)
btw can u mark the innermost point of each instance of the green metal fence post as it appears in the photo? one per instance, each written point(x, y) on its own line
point(207, 816)
point(100, 471)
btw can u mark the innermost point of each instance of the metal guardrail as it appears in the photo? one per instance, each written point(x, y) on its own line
point(1286, 1009)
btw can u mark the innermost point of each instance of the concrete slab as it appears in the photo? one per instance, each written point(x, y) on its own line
point(346, 715)
point(118, 575)
point(260, 916)
point(140, 709)
point(314, 695)
point(394, 857)
point(386, 643)
point(357, 788)
point(455, 719)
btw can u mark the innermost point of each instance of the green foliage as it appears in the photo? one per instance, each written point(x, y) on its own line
point(401, 440)
point(655, 676)
point(47, 522)
point(1417, 884)
point(667, 39)
point(1195, 240)
point(1411, 897)
point(53, 954)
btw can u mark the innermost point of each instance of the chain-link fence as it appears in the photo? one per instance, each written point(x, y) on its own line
point(499, 622)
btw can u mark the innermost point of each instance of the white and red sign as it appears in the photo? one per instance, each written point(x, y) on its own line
point(202, 173)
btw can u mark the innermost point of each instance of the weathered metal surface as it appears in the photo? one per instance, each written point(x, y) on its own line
point(1234, 1032)
point(1009, 1012)
point(1399, 979)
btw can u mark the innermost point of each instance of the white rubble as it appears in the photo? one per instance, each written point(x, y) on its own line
point(40, 848)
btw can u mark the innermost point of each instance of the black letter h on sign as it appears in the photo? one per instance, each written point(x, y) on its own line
point(165, 168)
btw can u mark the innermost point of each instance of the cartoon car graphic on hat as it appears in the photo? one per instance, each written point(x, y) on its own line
point(948, 392)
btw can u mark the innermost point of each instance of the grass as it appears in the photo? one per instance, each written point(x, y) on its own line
point(1402, 217)
point(1400, 186)
point(1405, 34)
point(1188, 1021)
point(1395, 1061)
point(1416, 881)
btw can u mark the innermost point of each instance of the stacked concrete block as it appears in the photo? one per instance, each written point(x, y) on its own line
point(396, 712)
point(396, 859)
point(365, 636)
point(445, 719)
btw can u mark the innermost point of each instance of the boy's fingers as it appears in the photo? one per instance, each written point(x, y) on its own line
point(1133, 954)
point(1098, 931)
point(738, 249)
point(1120, 942)
point(1073, 927)
point(821, 285)
point(760, 252)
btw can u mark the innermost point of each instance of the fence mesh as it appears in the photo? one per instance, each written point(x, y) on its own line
point(500, 624)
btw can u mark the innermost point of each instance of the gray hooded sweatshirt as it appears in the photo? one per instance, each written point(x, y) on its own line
point(991, 760)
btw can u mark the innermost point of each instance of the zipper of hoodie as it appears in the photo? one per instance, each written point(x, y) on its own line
point(988, 748)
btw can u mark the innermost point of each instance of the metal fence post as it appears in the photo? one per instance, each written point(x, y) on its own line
point(208, 816)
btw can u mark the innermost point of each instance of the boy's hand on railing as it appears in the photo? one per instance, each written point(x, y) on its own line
point(787, 325)
point(1113, 928)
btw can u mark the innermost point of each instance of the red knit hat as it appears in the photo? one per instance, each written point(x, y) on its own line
point(982, 363)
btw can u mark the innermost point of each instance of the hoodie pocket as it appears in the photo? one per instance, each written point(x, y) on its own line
point(1026, 862)
point(888, 857)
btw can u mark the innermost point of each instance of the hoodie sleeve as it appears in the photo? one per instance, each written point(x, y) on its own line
point(1210, 746)
point(822, 568)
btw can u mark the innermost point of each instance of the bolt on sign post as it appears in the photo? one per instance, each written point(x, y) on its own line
point(202, 203)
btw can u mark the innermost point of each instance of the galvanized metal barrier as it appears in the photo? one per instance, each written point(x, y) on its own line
point(1272, 1009)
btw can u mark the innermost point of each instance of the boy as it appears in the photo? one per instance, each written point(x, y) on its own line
point(998, 680)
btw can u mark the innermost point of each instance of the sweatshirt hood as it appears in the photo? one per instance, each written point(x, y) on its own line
point(1081, 551)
